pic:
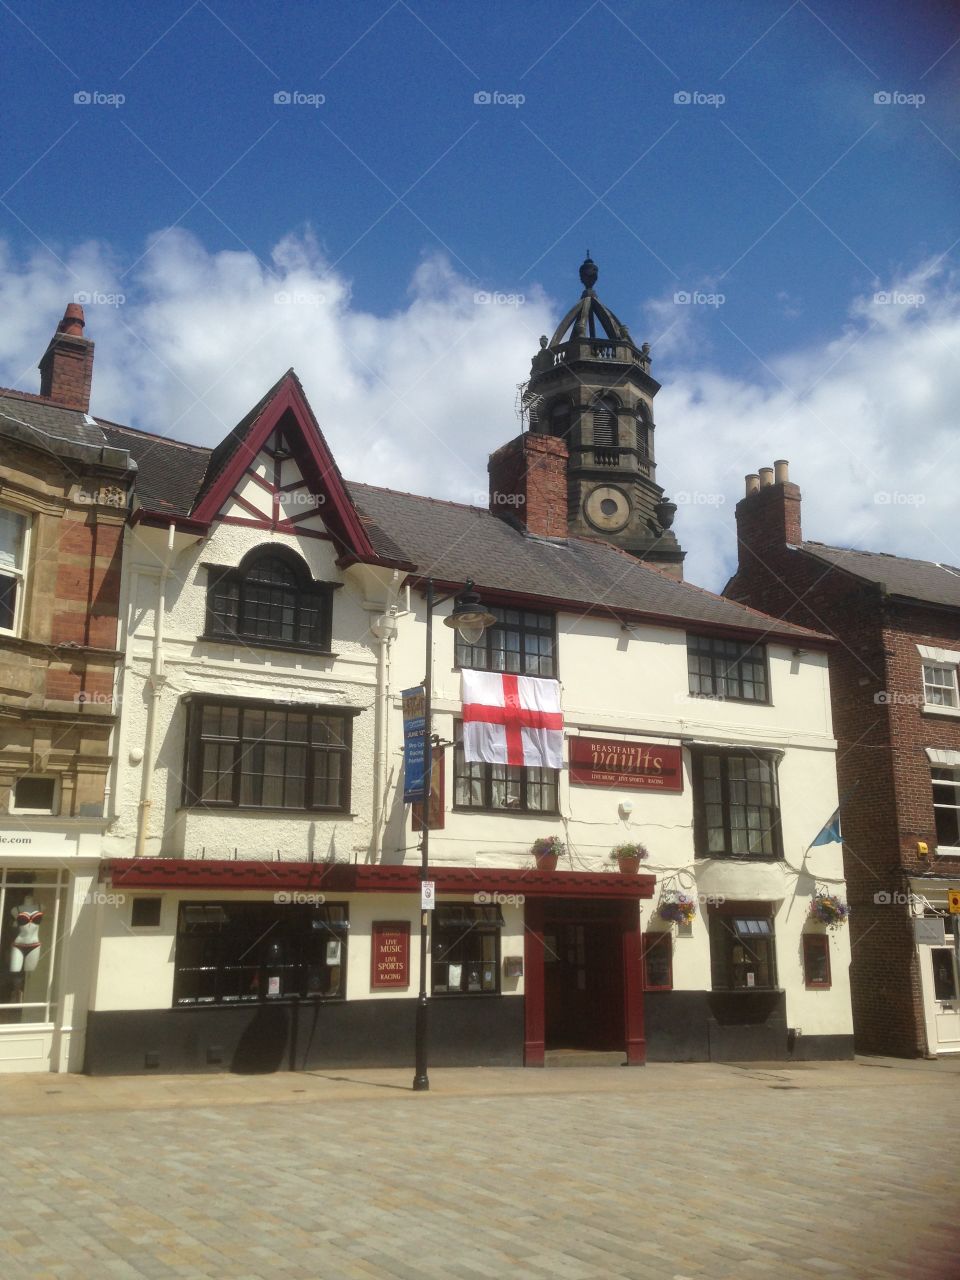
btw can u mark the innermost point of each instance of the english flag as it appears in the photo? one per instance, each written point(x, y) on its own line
point(513, 720)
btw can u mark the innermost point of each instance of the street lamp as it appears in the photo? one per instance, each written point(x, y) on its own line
point(469, 619)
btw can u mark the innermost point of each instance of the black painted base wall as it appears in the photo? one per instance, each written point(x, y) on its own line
point(717, 1026)
point(464, 1032)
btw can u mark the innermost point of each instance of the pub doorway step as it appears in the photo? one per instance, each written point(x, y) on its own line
point(584, 1058)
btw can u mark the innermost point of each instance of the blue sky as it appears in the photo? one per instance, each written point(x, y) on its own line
point(782, 194)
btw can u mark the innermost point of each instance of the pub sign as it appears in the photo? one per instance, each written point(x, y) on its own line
point(632, 766)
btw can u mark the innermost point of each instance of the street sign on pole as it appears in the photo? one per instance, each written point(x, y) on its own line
point(428, 895)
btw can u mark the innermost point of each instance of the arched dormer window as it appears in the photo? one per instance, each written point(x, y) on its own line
point(605, 423)
point(270, 598)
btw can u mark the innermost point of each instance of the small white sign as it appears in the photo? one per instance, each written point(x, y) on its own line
point(273, 986)
point(428, 895)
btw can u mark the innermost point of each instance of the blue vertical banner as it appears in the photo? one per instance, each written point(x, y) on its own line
point(414, 743)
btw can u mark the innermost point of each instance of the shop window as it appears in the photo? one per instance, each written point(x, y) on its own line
point(466, 949)
point(246, 952)
point(946, 805)
point(940, 685)
point(742, 952)
point(31, 904)
point(736, 804)
point(501, 786)
point(270, 598)
point(816, 960)
point(520, 642)
point(145, 913)
point(252, 755)
point(658, 961)
point(34, 795)
point(13, 568)
point(726, 669)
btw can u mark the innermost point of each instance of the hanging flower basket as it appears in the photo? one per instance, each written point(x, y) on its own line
point(828, 909)
point(679, 910)
point(547, 850)
point(628, 857)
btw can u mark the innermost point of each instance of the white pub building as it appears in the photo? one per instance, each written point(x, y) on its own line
point(260, 884)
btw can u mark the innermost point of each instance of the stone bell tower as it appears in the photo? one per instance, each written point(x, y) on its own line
point(590, 386)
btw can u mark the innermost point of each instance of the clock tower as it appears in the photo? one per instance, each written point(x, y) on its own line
point(591, 387)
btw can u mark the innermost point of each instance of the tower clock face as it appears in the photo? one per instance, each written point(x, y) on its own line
point(607, 508)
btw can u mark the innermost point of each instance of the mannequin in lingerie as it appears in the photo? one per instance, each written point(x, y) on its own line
point(25, 952)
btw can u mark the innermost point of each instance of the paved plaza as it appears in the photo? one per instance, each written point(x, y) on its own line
point(670, 1172)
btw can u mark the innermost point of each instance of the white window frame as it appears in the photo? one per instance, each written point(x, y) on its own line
point(955, 782)
point(54, 809)
point(935, 659)
point(18, 573)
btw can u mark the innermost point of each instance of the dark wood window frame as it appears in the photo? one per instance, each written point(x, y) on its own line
point(521, 781)
point(227, 952)
point(295, 614)
point(726, 659)
point(736, 948)
point(513, 645)
point(469, 936)
point(704, 807)
point(232, 754)
point(816, 947)
point(657, 941)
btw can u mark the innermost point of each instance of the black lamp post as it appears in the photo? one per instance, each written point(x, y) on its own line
point(469, 619)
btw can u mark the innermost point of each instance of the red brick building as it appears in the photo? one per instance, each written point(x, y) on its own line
point(896, 710)
point(63, 504)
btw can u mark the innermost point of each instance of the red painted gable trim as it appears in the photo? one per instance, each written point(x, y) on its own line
point(313, 457)
point(343, 877)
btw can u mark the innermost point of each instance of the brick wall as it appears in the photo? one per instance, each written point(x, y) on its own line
point(528, 484)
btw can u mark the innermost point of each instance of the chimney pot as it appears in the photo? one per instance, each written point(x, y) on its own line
point(752, 483)
point(66, 369)
point(766, 477)
point(781, 471)
point(73, 321)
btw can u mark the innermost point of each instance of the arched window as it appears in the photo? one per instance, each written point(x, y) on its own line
point(604, 423)
point(271, 599)
point(560, 419)
point(644, 425)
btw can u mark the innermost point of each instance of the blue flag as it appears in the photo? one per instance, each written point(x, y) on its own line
point(830, 832)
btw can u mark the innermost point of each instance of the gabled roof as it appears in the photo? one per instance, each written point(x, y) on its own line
point(452, 542)
point(922, 580)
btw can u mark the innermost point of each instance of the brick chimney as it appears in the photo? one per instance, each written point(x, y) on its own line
point(768, 518)
point(66, 369)
point(528, 484)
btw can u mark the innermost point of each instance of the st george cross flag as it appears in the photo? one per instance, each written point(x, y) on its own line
point(513, 720)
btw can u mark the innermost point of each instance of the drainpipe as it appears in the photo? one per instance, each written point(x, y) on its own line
point(157, 680)
point(384, 628)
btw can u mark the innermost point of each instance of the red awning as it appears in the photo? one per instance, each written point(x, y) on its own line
point(342, 877)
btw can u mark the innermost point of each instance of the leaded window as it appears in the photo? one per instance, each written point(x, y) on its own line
point(270, 599)
point(258, 756)
point(520, 641)
point(246, 952)
point(466, 949)
point(727, 669)
point(737, 805)
point(502, 786)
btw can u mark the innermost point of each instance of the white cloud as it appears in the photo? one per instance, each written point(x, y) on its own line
point(418, 398)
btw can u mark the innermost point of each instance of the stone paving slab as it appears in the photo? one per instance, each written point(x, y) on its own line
point(673, 1172)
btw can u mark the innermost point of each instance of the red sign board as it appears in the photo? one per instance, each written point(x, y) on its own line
point(633, 766)
point(390, 963)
